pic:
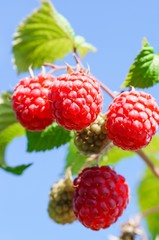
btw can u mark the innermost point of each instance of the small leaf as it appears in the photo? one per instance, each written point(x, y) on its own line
point(144, 72)
point(82, 46)
point(18, 170)
point(7, 116)
point(148, 196)
point(44, 36)
point(53, 136)
point(75, 159)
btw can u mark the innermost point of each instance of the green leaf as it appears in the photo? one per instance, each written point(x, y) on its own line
point(9, 129)
point(53, 136)
point(75, 159)
point(44, 36)
point(6, 136)
point(144, 72)
point(82, 46)
point(114, 155)
point(16, 170)
point(7, 116)
point(148, 196)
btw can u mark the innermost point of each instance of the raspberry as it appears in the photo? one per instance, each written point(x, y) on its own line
point(100, 197)
point(31, 103)
point(132, 120)
point(93, 139)
point(60, 204)
point(76, 100)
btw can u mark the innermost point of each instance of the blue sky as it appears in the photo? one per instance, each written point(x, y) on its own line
point(116, 28)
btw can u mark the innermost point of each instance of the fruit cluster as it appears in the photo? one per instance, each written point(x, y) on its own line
point(98, 195)
point(74, 101)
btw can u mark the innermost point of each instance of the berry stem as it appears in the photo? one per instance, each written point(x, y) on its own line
point(147, 213)
point(31, 71)
point(92, 158)
point(67, 67)
point(107, 90)
point(55, 67)
point(77, 58)
point(68, 174)
point(149, 163)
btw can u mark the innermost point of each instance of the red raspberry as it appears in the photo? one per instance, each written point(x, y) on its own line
point(100, 197)
point(31, 104)
point(76, 100)
point(132, 120)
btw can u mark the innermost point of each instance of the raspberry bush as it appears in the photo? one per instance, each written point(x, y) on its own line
point(66, 104)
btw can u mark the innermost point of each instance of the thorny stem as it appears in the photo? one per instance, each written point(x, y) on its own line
point(149, 163)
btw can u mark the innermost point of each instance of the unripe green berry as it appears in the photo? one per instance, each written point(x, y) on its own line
point(60, 204)
point(93, 139)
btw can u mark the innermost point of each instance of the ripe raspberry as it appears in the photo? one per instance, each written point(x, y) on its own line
point(76, 100)
point(93, 139)
point(60, 204)
point(31, 103)
point(132, 120)
point(100, 197)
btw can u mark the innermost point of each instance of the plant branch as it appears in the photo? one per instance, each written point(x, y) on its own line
point(147, 213)
point(92, 158)
point(55, 67)
point(149, 163)
point(107, 90)
point(31, 71)
point(77, 58)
